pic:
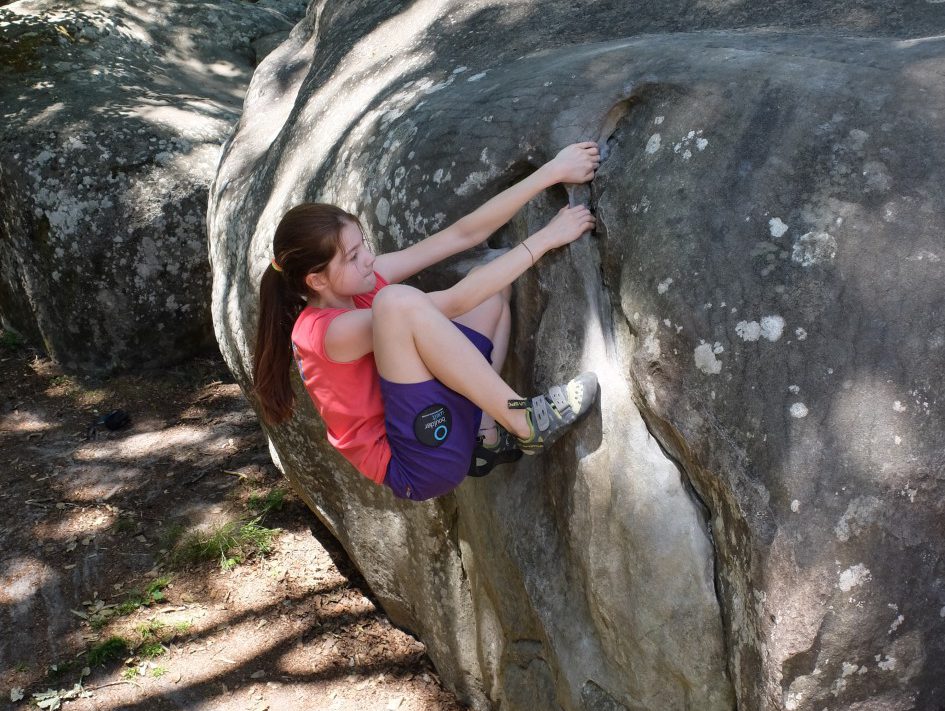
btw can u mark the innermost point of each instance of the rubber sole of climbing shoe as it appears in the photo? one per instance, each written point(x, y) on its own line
point(486, 457)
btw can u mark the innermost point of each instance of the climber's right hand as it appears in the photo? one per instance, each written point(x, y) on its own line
point(569, 224)
point(576, 163)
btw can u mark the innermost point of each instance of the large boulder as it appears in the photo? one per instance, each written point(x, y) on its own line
point(752, 517)
point(113, 117)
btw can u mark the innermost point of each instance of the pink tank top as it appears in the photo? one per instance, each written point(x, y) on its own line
point(346, 395)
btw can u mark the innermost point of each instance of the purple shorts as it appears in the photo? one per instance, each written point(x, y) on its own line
point(431, 431)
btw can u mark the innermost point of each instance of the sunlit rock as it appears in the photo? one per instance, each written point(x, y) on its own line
point(753, 514)
point(112, 121)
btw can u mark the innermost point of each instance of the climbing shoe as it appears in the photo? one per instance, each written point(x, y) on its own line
point(550, 415)
point(486, 456)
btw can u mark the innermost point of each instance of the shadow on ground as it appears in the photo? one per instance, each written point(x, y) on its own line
point(167, 565)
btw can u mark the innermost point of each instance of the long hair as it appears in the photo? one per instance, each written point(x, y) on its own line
point(307, 238)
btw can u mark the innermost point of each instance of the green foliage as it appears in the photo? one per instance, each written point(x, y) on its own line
point(149, 650)
point(183, 626)
point(112, 648)
point(231, 544)
point(125, 524)
point(171, 536)
point(155, 588)
point(152, 593)
point(151, 629)
point(272, 501)
point(60, 668)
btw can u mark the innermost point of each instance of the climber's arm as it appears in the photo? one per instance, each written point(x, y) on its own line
point(574, 164)
point(568, 225)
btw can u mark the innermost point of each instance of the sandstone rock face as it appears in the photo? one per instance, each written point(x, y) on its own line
point(752, 518)
point(113, 116)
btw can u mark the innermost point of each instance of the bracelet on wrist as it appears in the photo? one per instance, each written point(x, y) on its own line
point(529, 252)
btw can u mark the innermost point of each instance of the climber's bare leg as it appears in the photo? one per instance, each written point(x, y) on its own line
point(415, 342)
point(492, 318)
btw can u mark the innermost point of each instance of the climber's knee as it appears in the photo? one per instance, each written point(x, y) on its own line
point(398, 302)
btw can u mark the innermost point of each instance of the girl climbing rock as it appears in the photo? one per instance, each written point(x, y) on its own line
point(406, 381)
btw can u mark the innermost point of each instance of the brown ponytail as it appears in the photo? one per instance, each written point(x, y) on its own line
point(306, 240)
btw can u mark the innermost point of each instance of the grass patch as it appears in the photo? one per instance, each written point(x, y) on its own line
point(183, 627)
point(125, 524)
point(128, 606)
point(149, 650)
point(262, 505)
point(99, 614)
point(158, 672)
point(231, 544)
point(151, 630)
point(155, 588)
point(151, 594)
point(171, 535)
point(109, 650)
point(61, 668)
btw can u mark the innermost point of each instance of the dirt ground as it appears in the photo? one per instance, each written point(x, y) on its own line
point(167, 565)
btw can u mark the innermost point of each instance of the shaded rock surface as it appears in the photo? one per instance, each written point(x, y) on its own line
point(113, 117)
point(753, 515)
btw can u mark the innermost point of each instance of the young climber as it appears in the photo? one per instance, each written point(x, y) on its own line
point(404, 380)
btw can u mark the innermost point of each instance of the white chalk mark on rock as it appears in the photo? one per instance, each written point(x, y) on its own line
point(748, 330)
point(860, 513)
point(814, 248)
point(854, 576)
point(706, 360)
point(777, 227)
point(772, 327)
point(895, 625)
point(382, 210)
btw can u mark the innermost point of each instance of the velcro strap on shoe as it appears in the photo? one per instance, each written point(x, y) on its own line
point(540, 413)
point(517, 404)
point(559, 399)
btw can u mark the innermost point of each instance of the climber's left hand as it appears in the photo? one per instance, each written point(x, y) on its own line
point(576, 163)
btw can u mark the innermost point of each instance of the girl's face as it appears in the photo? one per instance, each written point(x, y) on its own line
point(351, 270)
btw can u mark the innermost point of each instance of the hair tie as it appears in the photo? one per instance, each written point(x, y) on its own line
point(275, 265)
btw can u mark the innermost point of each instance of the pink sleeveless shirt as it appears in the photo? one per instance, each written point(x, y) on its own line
point(346, 395)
